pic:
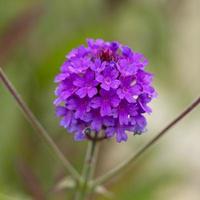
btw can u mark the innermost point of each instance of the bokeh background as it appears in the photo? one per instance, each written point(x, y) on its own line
point(34, 38)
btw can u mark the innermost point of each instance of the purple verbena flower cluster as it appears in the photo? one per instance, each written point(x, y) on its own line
point(104, 87)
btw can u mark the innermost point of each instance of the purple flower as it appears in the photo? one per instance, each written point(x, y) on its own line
point(61, 77)
point(143, 100)
point(139, 123)
point(126, 67)
point(98, 121)
point(108, 79)
point(65, 89)
point(124, 111)
point(120, 133)
point(86, 84)
point(105, 88)
point(119, 130)
point(105, 101)
point(128, 89)
point(98, 66)
point(67, 119)
point(80, 105)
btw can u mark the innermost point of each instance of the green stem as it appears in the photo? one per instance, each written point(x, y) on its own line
point(88, 170)
point(37, 125)
point(121, 168)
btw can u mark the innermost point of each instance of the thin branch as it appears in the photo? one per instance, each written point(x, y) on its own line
point(127, 163)
point(36, 124)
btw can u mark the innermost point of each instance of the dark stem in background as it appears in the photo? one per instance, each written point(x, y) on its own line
point(36, 125)
point(30, 181)
point(18, 29)
point(121, 168)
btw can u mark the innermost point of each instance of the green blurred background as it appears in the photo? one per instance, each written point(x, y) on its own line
point(36, 35)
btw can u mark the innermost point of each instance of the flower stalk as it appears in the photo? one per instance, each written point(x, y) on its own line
point(83, 188)
point(37, 125)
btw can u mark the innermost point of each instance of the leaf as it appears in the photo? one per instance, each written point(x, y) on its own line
point(103, 191)
point(66, 183)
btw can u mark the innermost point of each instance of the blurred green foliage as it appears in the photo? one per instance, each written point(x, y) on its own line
point(34, 39)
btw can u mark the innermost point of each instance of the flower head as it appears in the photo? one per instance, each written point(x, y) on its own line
point(103, 86)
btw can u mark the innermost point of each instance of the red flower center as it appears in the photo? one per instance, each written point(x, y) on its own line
point(106, 55)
